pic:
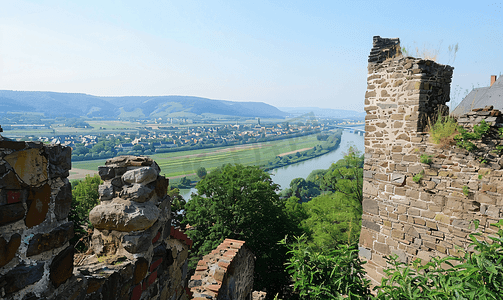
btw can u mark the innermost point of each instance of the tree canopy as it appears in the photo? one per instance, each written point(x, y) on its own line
point(201, 172)
point(240, 202)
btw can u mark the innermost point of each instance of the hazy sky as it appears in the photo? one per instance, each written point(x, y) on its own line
point(285, 53)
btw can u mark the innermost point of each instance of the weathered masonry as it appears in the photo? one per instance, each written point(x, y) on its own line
point(140, 255)
point(431, 217)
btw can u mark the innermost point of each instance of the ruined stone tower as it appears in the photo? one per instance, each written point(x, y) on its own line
point(403, 93)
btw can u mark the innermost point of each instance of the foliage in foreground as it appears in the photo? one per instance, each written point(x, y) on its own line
point(336, 273)
point(477, 275)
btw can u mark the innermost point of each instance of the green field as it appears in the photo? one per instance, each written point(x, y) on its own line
point(187, 162)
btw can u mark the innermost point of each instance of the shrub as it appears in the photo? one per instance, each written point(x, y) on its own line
point(425, 159)
point(334, 274)
point(417, 178)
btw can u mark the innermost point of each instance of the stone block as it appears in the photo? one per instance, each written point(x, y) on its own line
point(382, 248)
point(106, 191)
point(106, 172)
point(425, 256)
point(428, 214)
point(8, 250)
point(21, 276)
point(38, 205)
point(431, 224)
point(144, 175)
point(124, 215)
point(60, 160)
point(398, 234)
point(137, 192)
point(413, 212)
point(61, 267)
point(138, 242)
point(12, 145)
point(371, 225)
point(402, 256)
point(161, 186)
point(412, 232)
point(63, 200)
point(54, 239)
point(140, 270)
point(493, 211)
point(11, 213)
point(484, 198)
point(366, 238)
point(419, 221)
point(365, 253)
point(10, 180)
point(419, 204)
point(30, 166)
point(370, 206)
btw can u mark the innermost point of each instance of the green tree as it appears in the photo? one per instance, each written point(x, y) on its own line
point(332, 219)
point(240, 202)
point(84, 197)
point(201, 172)
point(346, 175)
point(185, 182)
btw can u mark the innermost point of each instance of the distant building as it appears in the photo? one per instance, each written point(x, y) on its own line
point(482, 97)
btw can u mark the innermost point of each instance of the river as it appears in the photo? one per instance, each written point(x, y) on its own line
point(283, 176)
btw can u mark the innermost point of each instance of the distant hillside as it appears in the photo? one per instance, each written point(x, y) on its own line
point(54, 104)
point(324, 112)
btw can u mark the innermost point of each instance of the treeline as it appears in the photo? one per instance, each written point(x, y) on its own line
point(329, 142)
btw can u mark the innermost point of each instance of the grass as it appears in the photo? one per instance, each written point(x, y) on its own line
point(443, 131)
point(187, 162)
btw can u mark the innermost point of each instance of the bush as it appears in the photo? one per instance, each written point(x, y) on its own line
point(335, 274)
point(425, 159)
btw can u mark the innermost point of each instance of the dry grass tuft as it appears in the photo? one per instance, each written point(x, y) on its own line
point(443, 131)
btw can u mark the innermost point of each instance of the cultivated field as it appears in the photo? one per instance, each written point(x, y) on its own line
point(187, 162)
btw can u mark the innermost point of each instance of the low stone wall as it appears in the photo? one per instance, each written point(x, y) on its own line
point(489, 114)
point(225, 273)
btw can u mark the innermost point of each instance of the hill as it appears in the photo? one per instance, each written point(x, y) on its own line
point(53, 104)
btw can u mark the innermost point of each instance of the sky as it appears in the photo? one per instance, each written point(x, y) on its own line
point(284, 53)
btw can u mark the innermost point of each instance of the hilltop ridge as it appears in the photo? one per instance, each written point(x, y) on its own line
point(84, 105)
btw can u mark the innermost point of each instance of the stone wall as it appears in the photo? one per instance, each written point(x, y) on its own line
point(137, 254)
point(430, 217)
point(35, 199)
point(226, 273)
